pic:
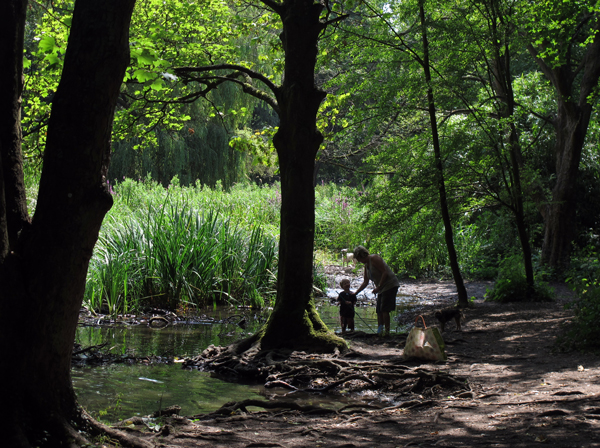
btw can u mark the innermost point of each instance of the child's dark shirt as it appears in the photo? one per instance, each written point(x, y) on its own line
point(347, 310)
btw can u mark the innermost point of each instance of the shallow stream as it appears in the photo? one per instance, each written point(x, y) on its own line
point(118, 391)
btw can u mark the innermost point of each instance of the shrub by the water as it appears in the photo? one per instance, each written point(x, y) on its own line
point(511, 284)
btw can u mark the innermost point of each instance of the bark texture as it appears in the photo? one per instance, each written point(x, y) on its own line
point(574, 82)
point(43, 279)
point(294, 321)
point(13, 205)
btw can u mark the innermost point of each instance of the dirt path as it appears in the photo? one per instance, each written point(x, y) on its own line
point(522, 394)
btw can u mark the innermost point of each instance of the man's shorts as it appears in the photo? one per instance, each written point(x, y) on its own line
point(386, 301)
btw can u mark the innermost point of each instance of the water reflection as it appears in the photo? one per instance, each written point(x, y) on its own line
point(180, 339)
point(120, 391)
point(116, 391)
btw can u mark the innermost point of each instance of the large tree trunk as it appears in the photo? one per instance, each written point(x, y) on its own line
point(294, 322)
point(571, 127)
point(571, 124)
point(43, 280)
point(13, 205)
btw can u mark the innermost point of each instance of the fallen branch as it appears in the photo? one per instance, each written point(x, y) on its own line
point(92, 347)
point(342, 381)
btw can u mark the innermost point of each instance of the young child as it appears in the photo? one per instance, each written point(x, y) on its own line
point(347, 300)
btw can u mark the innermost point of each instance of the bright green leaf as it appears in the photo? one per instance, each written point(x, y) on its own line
point(143, 75)
point(158, 84)
point(47, 44)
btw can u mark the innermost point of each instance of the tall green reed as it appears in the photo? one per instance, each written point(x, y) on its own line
point(197, 246)
point(173, 254)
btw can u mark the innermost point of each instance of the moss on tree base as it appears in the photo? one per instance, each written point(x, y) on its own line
point(254, 357)
point(309, 334)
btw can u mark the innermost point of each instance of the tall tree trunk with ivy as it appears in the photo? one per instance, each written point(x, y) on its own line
point(575, 81)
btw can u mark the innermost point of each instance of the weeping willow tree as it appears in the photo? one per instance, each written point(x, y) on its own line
point(200, 151)
point(163, 128)
point(159, 129)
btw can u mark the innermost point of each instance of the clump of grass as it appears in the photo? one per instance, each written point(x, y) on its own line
point(173, 254)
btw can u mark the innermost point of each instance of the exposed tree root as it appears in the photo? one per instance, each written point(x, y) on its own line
point(231, 407)
point(411, 404)
point(357, 407)
point(325, 373)
point(123, 438)
point(330, 386)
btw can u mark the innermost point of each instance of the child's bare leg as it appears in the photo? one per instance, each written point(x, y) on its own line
point(344, 323)
point(351, 323)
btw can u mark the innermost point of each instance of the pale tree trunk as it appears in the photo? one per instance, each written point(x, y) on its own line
point(43, 280)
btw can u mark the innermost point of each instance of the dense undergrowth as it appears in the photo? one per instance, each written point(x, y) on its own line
point(511, 284)
point(189, 247)
point(182, 248)
point(584, 332)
